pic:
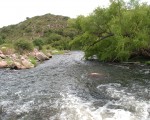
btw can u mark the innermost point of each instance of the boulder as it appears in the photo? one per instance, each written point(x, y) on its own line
point(27, 64)
point(17, 65)
point(2, 56)
point(21, 63)
point(41, 56)
point(23, 57)
point(97, 75)
point(3, 64)
point(14, 57)
point(49, 55)
point(33, 54)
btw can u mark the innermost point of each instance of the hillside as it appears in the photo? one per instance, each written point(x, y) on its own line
point(51, 29)
point(34, 27)
point(33, 40)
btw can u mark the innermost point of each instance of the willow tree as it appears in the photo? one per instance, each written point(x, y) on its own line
point(116, 33)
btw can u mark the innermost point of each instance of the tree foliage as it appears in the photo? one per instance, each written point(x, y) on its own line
point(23, 45)
point(116, 33)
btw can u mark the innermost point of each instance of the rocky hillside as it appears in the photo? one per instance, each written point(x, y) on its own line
point(34, 27)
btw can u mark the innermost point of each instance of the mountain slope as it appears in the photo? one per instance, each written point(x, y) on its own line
point(34, 27)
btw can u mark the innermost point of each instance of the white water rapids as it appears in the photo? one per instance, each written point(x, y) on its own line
point(61, 89)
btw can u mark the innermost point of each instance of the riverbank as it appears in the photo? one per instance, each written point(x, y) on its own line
point(27, 60)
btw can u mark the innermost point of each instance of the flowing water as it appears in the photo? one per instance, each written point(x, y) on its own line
point(64, 88)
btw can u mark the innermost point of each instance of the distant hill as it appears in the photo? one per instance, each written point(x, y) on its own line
point(52, 30)
point(34, 27)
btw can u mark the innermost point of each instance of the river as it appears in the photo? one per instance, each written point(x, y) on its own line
point(63, 88)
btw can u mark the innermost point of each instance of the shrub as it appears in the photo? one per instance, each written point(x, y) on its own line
point(33, 60)
point(39, 43)
point(7, 49)
point(147, 62)
point(23, 45)
point(63, 44)
point(53, 37)
point(70, 32)
point(1, 41)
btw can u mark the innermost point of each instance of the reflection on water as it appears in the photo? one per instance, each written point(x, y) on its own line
point(63, 88)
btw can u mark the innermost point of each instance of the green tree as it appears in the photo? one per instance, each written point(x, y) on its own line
point(116, 33)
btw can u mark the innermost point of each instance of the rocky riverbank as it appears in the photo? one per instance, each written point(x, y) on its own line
point(22, 61)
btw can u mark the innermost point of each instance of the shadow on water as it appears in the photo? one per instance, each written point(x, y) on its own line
point(69, 88)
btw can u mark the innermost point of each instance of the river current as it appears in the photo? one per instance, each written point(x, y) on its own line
point(64, 88)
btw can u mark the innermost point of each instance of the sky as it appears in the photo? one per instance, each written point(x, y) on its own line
point(15, 11)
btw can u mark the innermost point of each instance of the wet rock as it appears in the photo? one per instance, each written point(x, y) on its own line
point(97, 75)
point(3, 64)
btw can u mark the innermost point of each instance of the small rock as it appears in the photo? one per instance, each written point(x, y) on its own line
point(97, 75)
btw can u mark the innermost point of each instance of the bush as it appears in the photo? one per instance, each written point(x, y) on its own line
point(147, 62)
point(33, 60)
point(1, 41)
point(53, 37)
point(47, 47)
point(63, 44)
point(70, 32)
point(39, 43)
point(23, 45)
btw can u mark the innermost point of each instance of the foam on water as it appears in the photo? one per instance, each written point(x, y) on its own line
point(35, 94)
point(127, 101)
point(76, 109)
point(9, 107)
point(125, 106)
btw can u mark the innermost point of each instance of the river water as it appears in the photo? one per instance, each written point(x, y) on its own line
point(63, 88)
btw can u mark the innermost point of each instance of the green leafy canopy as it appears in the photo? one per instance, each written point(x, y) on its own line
point(116, 33)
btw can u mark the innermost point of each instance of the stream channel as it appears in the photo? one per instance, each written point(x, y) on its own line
point(67, 87)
